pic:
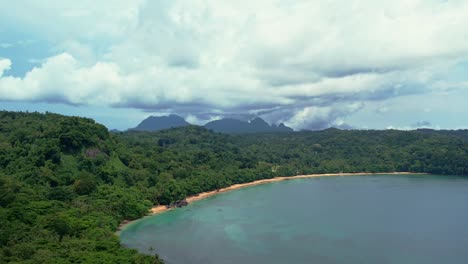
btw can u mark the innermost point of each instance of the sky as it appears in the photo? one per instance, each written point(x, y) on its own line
point(361, 64)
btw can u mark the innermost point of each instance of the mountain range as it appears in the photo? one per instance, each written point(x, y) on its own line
point(225, 125)
point(155, 123)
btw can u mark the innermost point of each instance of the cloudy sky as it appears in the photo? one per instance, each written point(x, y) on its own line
point(311, 64)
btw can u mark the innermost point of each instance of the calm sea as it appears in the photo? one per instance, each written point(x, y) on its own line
point(381, 219)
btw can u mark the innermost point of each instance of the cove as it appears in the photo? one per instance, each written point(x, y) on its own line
point(352, 219)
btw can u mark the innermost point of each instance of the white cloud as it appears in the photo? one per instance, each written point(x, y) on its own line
point(322, 117)
point(306, 63)
point(5, 64)
point(61, 20)
point(5, 45)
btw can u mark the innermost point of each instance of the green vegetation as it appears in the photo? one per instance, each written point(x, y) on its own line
point(66, 182)
point(62, 192)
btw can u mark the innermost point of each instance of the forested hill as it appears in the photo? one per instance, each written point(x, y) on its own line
point(462, 133)
point(62, 192)
point(66, 183)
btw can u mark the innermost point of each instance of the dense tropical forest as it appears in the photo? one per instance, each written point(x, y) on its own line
point(66, 182)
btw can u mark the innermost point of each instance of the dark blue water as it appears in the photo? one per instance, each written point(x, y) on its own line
point(351, 219)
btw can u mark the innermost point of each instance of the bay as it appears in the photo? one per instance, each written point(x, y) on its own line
point(344, 219)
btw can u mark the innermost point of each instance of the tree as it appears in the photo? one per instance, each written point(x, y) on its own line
point(60, 226)
point(85, 184)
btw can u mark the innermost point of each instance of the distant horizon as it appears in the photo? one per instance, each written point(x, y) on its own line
point(244, 120)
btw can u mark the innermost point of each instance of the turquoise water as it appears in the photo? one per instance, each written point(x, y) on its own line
point(352, 219)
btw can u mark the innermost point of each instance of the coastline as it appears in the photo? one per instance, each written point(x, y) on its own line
point(163, 208)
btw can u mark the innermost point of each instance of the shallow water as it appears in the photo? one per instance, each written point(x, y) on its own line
point(351, 219)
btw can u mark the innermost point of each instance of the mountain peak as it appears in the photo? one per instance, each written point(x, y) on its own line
point(224, 125)
point(154, 123)
point(258, 121)
point(235, 126)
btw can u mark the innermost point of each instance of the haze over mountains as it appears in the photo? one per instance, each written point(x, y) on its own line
point(225, 125)
point(256, 125)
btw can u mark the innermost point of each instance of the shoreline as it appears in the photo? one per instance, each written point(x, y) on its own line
point(163, 208)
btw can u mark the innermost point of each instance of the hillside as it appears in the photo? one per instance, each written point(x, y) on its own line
point(63, 192)
point(461, 134)
point(66, 182)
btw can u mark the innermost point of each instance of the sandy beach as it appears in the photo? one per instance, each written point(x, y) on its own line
point(162, 208)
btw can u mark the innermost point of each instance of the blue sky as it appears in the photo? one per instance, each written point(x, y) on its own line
point(310, 64)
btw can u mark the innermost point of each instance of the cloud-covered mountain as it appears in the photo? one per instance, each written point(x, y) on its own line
point(257, 125)
point(155, 123)
point(225, 125)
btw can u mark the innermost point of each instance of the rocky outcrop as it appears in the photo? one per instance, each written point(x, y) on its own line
point(180, 203)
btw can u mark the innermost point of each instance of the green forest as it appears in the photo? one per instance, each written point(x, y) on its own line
point(66, 183)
